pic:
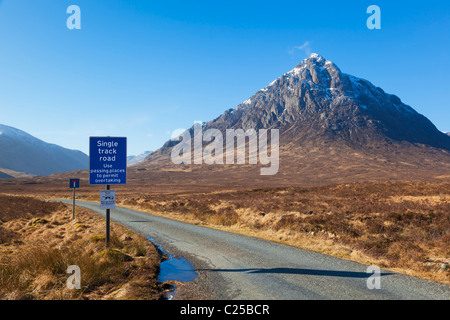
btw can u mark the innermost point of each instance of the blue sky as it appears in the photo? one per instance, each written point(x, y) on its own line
point(142, 69)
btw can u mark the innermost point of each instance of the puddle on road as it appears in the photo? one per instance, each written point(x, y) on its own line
point(174, 268)
point(177, 269)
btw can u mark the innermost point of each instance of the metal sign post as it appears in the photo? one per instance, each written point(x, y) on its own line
point(108, 202)
point(73, 206)
point(107, 222)
point(74, 183)
point(107, 166)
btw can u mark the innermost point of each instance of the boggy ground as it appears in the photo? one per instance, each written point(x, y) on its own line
point(39, 240)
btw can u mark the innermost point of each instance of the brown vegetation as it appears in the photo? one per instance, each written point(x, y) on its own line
point(402, 226)
point(397, 225)
point(39, 240)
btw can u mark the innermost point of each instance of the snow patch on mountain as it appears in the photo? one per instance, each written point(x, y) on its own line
point(132, 160)
point(248, 101)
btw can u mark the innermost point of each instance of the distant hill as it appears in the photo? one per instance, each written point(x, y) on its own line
point(131, 160)
point(21, 152)
point(4, 175)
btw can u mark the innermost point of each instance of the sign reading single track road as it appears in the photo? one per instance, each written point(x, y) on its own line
point(107, 160)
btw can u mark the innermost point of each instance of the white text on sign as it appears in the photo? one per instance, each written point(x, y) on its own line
point(107, 148)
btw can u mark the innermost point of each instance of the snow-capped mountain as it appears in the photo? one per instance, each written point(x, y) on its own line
point(131, 160)
point(332, 125)
point(315, 100)
point(21, 152)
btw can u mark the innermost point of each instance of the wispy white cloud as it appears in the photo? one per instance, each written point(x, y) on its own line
point(306, 46)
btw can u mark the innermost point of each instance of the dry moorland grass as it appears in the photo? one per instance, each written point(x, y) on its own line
point(401, 226)
point(39, 240)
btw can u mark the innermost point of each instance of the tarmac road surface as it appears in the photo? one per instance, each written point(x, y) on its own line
point(232, 266)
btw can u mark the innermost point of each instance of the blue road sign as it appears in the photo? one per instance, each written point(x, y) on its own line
point(107, 160)
point(74, 183)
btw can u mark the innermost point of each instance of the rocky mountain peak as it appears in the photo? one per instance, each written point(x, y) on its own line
point(320, 73)
point(316, 102)
point(332, 126)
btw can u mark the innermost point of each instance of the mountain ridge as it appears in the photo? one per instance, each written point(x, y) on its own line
point(135, 159)
point(332, 125)
point(272, 107)
point(22, 152)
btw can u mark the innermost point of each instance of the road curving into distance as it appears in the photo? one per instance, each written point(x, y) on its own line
point(234, 266)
